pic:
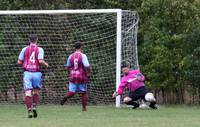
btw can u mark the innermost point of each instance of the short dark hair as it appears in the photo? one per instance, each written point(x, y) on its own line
point(33, 38)
point(78, 45)
point(125, 64)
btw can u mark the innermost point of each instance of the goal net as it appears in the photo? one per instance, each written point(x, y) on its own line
point(109, 37)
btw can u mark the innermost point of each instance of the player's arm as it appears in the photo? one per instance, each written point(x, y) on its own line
point(43, 63)
point(41, 58)
point(66, 68)
point(140, 77)
point(86, 64)
point(120, 89)
point(68, 64)
point(19, 62)
point(21, 57)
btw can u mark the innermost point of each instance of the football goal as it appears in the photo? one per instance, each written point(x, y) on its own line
point(109, 37)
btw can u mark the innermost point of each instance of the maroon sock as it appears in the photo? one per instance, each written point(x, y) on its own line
point(84, 101)
point(28, 102)
point(36, 99)
point(70, 94)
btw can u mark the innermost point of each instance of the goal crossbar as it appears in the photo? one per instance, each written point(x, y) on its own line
point(78, 11)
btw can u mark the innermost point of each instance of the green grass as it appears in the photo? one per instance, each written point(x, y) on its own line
point(100, 116)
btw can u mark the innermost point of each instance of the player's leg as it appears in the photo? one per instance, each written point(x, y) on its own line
point(131, 98)
point(127, 100)
point(36, 99)
point(27, 82)
point(136, 95)
point(37, 85)
point(72, 90)
point(149, 97)
point(83, 89)
point(28, 102)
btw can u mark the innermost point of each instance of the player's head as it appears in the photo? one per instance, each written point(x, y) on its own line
point(125, 67)
point(33, 38)
point(78, 45)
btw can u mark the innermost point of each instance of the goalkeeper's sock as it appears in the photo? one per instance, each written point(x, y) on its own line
point(84, 101)
point(28, 103)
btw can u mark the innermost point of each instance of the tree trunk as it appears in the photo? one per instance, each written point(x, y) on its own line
point(163, 95)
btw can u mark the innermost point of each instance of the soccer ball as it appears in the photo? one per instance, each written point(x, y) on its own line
point(149, 97)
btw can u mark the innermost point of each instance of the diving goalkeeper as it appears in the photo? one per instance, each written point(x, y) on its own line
point(134, 81)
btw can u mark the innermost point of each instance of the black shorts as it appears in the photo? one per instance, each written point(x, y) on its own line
point(138, 94)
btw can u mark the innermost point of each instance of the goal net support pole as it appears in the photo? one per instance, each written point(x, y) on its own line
point(118, 51)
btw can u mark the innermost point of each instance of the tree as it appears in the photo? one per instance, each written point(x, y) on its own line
point(166, 25)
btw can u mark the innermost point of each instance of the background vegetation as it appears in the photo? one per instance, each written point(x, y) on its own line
point(168, 41)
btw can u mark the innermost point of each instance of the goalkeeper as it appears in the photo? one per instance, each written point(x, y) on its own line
point(134, 81)
point(79, 67)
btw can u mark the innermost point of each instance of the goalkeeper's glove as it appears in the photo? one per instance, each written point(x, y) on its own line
point(138, 77)
point(115, 94)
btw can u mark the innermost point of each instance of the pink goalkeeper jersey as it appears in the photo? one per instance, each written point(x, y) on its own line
point(131, 82)
point(78, 74)
point(31, 62)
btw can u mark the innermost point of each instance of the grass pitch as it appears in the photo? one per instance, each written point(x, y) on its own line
point(100, 116)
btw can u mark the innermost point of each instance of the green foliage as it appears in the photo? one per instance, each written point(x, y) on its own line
point(168, 38)
point(32, 4)
point(170, 31)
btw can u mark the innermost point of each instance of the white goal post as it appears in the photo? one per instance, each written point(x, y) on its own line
point(125, 36)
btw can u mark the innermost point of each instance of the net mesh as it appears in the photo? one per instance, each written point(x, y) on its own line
point(56, 33)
